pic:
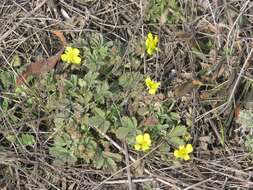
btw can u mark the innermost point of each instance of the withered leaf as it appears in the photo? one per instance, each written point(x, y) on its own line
point(44, 65)
point(150, 121)
point(186, 87)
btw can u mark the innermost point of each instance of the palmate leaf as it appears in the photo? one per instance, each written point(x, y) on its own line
point(246, 118)
point(62, 156)
point(99, 120)
point(129, 80)
point(27, 139)
point(129, 126)
point(102, 92)
point(178, 131)
point(123, 132)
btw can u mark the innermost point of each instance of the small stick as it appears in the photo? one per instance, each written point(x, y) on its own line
point(239, 77)
point(157, 178)
point(128, 168)
point(121, 181)
point(6, 34)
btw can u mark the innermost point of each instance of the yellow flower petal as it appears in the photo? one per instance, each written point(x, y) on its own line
point(137, 147)
point(157, 84)
point(147, 139)
point(148, 81)
point(77, 60)
point(142, 142)
point(186, 157)
point(151, 43)
point(176, 154)
point(145, 147)
point(71, 55)
point(75, 51)
point(150, 36)
point(181, 147)
point(152, 91)
point(189, 148)
point(152, 85)
point(156, 39)
point(139, 139)
point(150, 51)
point(68, 49)
point(64, 57)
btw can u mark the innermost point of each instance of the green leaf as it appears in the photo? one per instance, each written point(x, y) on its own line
point(123, 132)
point(176, 141)
point(129, 122)
point(97, 111)
point(99, 163)
point(102, 92)
point(7, 79)
point(178, 131)
point(129, 80)
point(90, 78)
point(27, 140)
point(111, 164)
point(62, 140)
point(175, 116)
point(99, 120)
point(59, 122)
point(15, 61)
point(11, 138)
point(82, 83)
point(62, 156)
point(246, 118)
point(114, 156)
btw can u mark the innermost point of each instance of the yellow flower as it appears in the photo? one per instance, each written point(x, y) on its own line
point(71, 55)
point(151, 43)
point(142, 142)
point(183, 152)
point(152, 85)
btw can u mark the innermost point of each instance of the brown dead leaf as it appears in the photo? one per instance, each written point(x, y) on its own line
point(150, 121)
point(196, 83)
point(74, 133)
point(183, 35)
point(61, 37)
point(43, 65)
point(237, 111)
point(185, 88)
point(204, 95)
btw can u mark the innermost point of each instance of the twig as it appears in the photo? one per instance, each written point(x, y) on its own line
point(157, 178)
point(142, 34)
point(239, 77)
point(237, 19)
point(126, 181)
point(197, 184)
point(128, 168)
point(6, 34)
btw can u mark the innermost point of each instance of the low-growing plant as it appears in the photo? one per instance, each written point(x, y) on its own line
point(168, 11)
point(93, 94)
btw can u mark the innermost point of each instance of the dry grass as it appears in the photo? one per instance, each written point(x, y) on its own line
point(219, 160)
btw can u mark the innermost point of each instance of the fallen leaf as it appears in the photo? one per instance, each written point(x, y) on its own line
point(183, 89)
point(39, 67)
point(196, 83)
point(186, 87)
point(237, 111)
point(204, 95)
point(150, 121)
point(43, 65)
point(61, 37)
point(183, 35)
